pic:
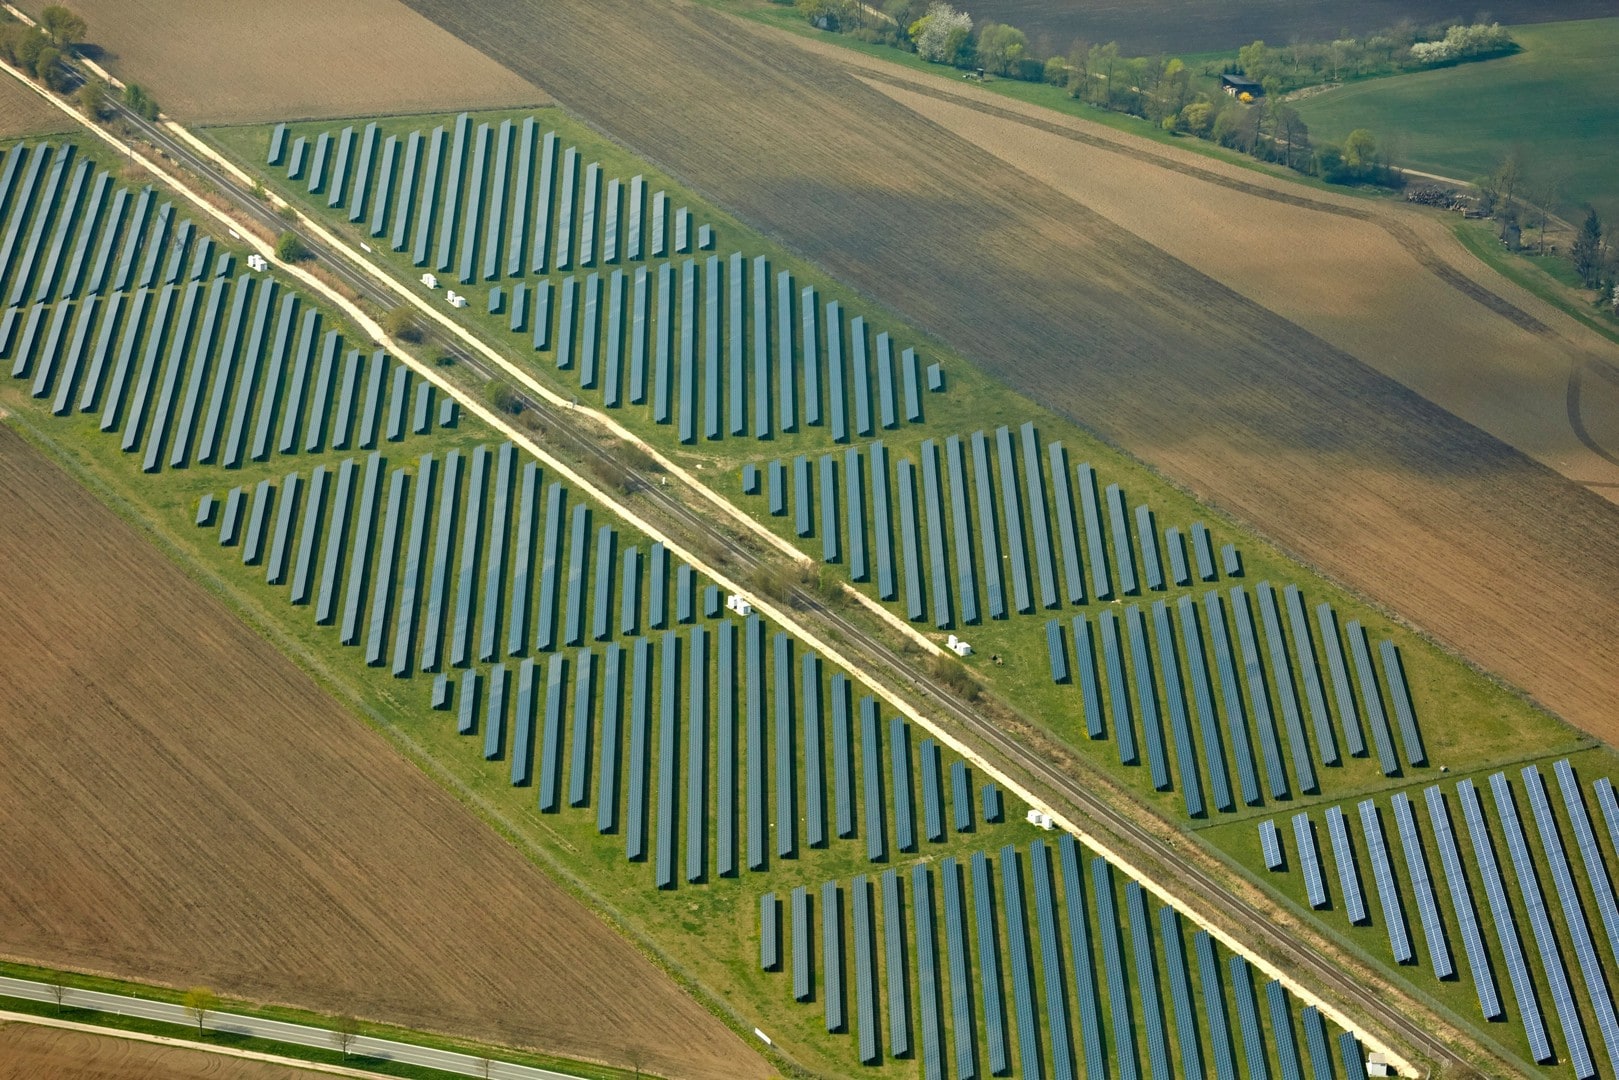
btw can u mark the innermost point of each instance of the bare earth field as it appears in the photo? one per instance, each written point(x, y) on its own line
point(1459, 532)
point(28, 1052)
point(224, 61)
point(25, 113)
point(1144, 28)
point(184, 806)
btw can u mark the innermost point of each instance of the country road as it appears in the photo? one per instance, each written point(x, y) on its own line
point(278, 1031)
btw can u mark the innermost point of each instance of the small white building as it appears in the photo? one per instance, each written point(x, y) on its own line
point(430, 281)
point(257, 263)
point(456, 299)
point(1039, 820)
point(958, 646)
point(739, 604)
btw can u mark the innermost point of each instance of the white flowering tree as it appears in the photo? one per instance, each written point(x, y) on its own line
point(939, 33)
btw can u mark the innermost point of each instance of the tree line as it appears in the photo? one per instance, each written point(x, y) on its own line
point(1159, 89)
point(44, 50)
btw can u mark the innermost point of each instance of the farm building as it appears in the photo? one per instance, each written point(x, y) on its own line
point(1238, 85)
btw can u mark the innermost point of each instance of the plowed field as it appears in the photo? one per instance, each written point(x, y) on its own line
point(223, 61)
point(28, 1052)
point(23, 112)
point(184, 806)
point(1336, 461)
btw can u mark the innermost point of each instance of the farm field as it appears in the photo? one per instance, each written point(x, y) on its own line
point(1554, 101)
point(22, 112)
point(1328, 458)
point(318, 867)
point(1209, 25)
point(214, 61)
point(1362, 288)
point(673, 874)
point(29, 1050)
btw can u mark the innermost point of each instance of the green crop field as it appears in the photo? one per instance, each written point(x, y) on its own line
point(1557, 101)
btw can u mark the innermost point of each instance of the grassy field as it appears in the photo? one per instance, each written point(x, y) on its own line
point(1557, 102)
point(219, 62)
point(1142, 29)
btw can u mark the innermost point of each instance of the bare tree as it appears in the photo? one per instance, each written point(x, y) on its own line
point(345, 1030)
point(199, 1002)
point(59, 995)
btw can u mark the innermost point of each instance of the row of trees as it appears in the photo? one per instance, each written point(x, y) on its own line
point(1159, 89)
point(40, 50)
point(1387, 52)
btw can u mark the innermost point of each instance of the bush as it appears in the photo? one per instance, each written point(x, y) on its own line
point(139, 102)
point(93, 98)
point(955, 677)
point(290, 249)
point(401, 323)
point(502, 398)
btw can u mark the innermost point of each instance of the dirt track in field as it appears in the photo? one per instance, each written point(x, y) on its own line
point(23, 112)
point(1465, 536)
point(28, 1052)
point(183, 806)
point(234, 62)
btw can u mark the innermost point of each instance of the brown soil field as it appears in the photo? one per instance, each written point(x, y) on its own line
point(1143, 28)
point(28, 1052)
point(1358, 284)
point(1462, 534)
point(23, 112)
point(224, 61)
point(184, 806)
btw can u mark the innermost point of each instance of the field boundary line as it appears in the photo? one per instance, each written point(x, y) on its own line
point(777, 615)
point(8, 1017)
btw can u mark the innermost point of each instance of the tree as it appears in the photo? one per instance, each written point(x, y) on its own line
point(139, 102)
point(49, 69)
point(345, 1030)
point(93, 98)
point(933, 33)
point(1000, 47)
point(1587, 251)
point(58, 995)
point(401, 323)
point(1198, 117)
point(1360, 151)
point(501, 397)
point(290, 249)
point(1508, 178)
point(199, 1002)
point(65, 28)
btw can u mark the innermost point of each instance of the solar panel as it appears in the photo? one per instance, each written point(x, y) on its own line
point(896, 967)
point(1146, 981)
point(989, 964)
point(1258, 697)
point(927, 968)
point(1416, 864)
point(1388, 892)
point(1344, 855)
point(1039, 516)
point(1281, 1026)
point(1208, 971)
point(1017, 937)
point(1179, 724)
point(1315, 884)
point(1501, 911)
point(1248, 1022)
point(1179, 974)
point(962, 1028)
point(1270, 844)
point(1050, 931)
point(1083, 963)
point(1197, 670)
point(1118, 978)
point(1231, 694)
point(1461, 900)
point(1152, 729)
point(1596, 873)
point(1568, 897)
point(832, 955)
point(1315, 1040)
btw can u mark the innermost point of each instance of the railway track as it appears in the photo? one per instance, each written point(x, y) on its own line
point(1299, 957)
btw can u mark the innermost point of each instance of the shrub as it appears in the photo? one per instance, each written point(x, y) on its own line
point(139, 102)
point(401, 323)
point(290, 249)
point(501, 397)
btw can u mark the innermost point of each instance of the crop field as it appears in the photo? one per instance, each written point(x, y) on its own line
point(679, 761)
point(1210, 25)
point(215, 61)
point(1329, 458)
point(1554, 101)
point(22, 112)
point(28, 1050)
point(320, 868)
point(1490, 895)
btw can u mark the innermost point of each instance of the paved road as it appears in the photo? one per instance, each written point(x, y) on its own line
point(1297, 958)
point(297, 1034)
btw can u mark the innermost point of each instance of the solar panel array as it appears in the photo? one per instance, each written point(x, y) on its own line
point(1562, 933)
point(1063, 973)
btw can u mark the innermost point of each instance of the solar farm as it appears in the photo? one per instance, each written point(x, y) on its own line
point(828, 872)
